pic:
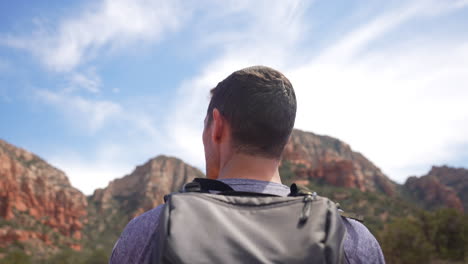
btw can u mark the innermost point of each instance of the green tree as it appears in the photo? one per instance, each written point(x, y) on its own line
point(67, 256)
point(16, 257)
point(404, 242)
point(449, 234)
point(98, 256)
point(286, 172)
point(427, 237)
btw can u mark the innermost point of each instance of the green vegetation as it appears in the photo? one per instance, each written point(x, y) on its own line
point(104, 228)
point(429, 237)
point(407, 233)
point(16, 257)
point(377, 208)
point(65, 256)
point(286, 172)
point(69, 256)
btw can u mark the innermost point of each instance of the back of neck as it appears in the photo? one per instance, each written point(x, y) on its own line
point(243, 166)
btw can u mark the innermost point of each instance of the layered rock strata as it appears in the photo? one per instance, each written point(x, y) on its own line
point(33, 193)
point(334, 162)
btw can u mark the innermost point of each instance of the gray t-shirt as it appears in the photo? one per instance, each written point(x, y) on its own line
point(360, 245)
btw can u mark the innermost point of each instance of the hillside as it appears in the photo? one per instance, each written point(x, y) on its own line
point(43, 218)
point(331, 161)
point(440, 187)
point(111, 208)
point(39, 210)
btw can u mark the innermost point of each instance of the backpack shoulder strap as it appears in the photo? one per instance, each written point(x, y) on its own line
point(300, 190)
point(204, 185)
point(354, 216)
point(207, 185)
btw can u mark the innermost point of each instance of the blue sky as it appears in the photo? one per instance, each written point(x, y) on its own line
point(98, 87)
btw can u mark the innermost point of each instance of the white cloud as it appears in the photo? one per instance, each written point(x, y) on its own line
point(401, 108)
point(110, 24)
point(95, 170)
point(133, 139)
point(113, 24)
point(403, 105)
point(270, 28)
point(90, 81)
point(351, 44)
point(92, 115)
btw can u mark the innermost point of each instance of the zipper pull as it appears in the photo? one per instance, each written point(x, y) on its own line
point(306, 209)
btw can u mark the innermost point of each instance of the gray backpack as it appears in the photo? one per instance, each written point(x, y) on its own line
point(209, 222)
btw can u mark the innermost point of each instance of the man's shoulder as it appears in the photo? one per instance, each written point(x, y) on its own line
point(360, 245)
point(138, 227)
point(148, 218)
point(136, 236)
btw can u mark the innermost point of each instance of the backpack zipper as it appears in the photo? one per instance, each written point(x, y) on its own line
point(307, 204)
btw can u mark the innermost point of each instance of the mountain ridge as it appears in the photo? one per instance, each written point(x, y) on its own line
point(334, 162)
point(324, 163)
point(37, 201)
point(442, 186)
point(135, 193)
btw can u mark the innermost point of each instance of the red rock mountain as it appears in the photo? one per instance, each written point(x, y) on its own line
point(441, 187)
point(39, 199)
point(112, 207)
point(41, 210)
point(333, 162)
point(38, 204)
point(310, 155)
point(146, 185)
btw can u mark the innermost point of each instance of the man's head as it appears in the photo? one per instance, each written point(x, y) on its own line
point(251, 112)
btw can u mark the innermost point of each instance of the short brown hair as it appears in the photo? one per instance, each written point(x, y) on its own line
point(260, 105)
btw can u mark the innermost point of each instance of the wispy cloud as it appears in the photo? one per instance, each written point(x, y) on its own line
point(361, 38)
point(402, 108)
point(71, 48)
point(92, 115)
point(94, 170)
point(110, 24)
point(401, 104)
point(263, 35)
point(128, 136)
point(90, 81)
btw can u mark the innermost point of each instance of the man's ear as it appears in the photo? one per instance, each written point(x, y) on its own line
point(217, 126)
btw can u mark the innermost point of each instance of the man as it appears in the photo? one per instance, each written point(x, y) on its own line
point(248, 123)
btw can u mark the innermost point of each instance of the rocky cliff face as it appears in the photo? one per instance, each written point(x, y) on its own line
point(455, 178)
point(38, 205)
point(112, 207)
point(441, 187)
point(333, 162)
point(146, 186)
point(41, 210)
point(37, 200)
